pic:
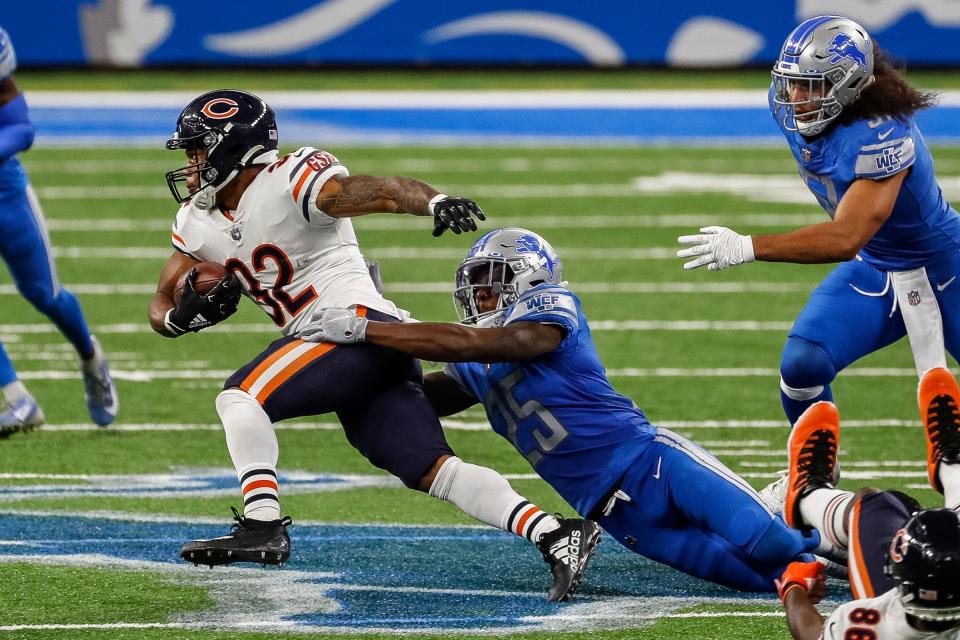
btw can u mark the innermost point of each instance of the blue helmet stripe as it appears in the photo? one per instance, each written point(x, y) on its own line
point(796, 39)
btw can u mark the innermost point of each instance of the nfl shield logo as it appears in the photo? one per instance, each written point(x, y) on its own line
point(236, 233)
point(913, 298)
point(805, 154)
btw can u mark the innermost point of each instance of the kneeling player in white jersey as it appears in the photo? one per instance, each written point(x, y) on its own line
point(904, 563)
point(281, 224)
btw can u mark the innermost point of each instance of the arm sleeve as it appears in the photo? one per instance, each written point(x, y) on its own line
point(549, 304)
point(885, 151)
point(16, 130)
point(310, 171)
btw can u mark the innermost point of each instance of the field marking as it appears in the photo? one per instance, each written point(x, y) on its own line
point(573, 221)
point(483, 425)
point(629, 372)
point(243, 328)
point(95, 289)
point(856, 464)
point(872, 474)
point(393, 253)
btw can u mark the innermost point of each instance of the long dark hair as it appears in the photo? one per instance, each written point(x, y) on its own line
point(889, 95)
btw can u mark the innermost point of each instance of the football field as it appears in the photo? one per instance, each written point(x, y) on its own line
point(91, 520)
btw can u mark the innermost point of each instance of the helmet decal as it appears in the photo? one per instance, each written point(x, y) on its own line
point(899, 546)
point(530, 243)
point(842, 47)
point(232, 109)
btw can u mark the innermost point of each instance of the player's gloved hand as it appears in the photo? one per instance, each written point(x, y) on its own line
point(808, 576)
point(196, 312)
point(455, 214)
point(336, 325)
point(716, 247)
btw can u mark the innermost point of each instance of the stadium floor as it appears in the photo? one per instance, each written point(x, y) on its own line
point(91, 519)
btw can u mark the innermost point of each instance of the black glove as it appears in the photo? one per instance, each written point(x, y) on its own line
point(196, 312)
point(454, 214)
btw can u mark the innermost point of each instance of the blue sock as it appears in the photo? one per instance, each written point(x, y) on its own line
point(7, 373)
point(795, 408)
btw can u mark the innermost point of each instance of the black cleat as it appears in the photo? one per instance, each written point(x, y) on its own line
point(568, 551)
point(260, 541)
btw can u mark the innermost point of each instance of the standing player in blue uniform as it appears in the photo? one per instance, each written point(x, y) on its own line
point(848, 117)
point(25, 247)
point(525, 352)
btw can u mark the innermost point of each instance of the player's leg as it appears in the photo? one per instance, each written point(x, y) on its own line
point(711, 497)
point(847, 316)
point(938, 397)
point(642, 517)
point(25, 247)
point(397, 430)
point(944, 455)
point(874, 519)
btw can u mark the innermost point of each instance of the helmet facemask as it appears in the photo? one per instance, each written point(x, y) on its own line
point(809, 115)
point(483, 273)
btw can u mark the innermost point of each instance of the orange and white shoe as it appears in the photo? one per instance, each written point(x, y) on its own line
point(938, 398)
point(812, 457)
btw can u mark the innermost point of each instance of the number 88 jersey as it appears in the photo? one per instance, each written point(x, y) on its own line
point(880, 618)
point(290, 257)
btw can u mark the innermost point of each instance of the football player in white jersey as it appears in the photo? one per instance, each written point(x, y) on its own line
point(904, 563)
point(282, 225)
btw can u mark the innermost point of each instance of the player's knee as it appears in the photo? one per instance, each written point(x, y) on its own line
point(233, 402)
point(39, 295)
point(804, 366)
point(778, 544)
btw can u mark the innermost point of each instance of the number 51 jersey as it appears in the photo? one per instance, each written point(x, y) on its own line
point(559, 410)
point(290, 257)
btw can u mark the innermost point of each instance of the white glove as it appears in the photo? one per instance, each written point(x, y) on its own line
point(717, 247)
point(332, 324)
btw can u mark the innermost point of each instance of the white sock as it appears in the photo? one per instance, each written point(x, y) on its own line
point(485, 495)
point(823, 509)
point(14, 391)
point(950, 479)
point(254, 450)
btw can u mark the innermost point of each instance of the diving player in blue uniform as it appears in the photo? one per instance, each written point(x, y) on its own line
point(848, 117)
point(525, 352)
point(25, 247)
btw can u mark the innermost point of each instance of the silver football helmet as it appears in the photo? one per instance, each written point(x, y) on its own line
point(506, 262)
point(823, 66)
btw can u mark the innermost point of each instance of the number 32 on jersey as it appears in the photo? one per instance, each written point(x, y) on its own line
point(275, 299)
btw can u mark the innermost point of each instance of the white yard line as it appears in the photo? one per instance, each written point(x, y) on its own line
point(573, 221)
point(447, 287)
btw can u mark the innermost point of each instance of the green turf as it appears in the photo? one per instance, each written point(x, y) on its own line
point(321, 79)
point(666, 399)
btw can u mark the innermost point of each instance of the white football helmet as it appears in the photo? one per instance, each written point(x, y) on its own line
point(508, 261)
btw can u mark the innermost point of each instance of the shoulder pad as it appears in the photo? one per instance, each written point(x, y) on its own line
point(884, 149)
point(545, 303)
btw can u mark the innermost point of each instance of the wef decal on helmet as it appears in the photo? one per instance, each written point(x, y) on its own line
point(823, 66)
point(924, 560)
point(236, 128)
point(508, 262)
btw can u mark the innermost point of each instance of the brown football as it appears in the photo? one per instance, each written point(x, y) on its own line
point(209, 274)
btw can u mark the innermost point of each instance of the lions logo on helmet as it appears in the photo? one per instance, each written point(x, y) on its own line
point(236, 128)
point(823, 66)
point(507, 262)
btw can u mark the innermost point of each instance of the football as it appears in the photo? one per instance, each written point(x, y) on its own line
point(209, 274)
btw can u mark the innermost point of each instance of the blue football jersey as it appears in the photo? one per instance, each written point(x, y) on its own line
point(559, 410)
point(922, 224)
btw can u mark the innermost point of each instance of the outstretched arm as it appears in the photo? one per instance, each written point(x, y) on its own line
point(864, 208)
point(443, 342)
point(349, 196)
point(437, 341)
point(803, 619)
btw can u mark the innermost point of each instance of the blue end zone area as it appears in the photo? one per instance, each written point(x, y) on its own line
point(364, 577)
point(148, 126)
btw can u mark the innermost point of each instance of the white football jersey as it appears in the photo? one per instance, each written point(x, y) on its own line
point(880, 618)
point(290, 257)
